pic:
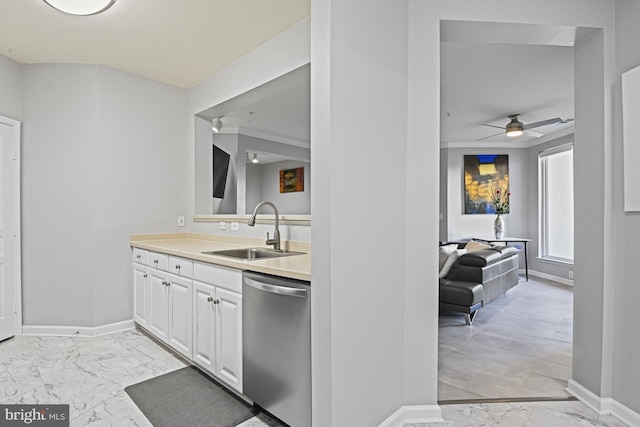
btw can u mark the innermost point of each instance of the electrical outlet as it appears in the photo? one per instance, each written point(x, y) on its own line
point(570, 274)
point(180, 221)
point(234, 226)
point(222, 226)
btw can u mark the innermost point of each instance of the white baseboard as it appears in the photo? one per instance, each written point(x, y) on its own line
point(603, 406)
point(78, 331)
point(550, 277)
point(625, 414)
point(416, 414)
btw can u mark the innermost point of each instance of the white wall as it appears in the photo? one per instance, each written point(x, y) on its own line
point(9, 88)
point(594, 113)
point(359, 71)
point(546, 267)
point(286, 52)
point(461, 225)
point(626, 336)
point(103, 156)
point(296, 203)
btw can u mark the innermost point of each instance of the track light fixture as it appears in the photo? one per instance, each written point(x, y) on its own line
point(255, 158)
point(81, 7)
point(216, 124)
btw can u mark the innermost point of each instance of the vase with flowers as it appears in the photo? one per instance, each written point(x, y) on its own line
point(500, 201)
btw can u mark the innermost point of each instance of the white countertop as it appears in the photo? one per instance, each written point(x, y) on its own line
point(191, 246)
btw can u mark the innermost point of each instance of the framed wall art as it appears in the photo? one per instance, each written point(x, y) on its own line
point(484, 174)
point(292, 180)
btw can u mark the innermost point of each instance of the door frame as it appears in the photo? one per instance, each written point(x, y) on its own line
point(17, 239)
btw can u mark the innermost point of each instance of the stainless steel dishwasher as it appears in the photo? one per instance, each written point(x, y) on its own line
point(276, 340)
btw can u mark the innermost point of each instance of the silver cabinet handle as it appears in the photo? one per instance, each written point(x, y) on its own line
point(144, 275)
point(177, 267)
point(155, 261)
point(209, 299)
point(275, 289)
point(138, 256)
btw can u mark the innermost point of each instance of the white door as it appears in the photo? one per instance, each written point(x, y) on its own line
point(229, 338)
point(9, 228)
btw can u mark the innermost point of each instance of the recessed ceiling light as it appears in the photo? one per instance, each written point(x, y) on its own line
point(81, 7)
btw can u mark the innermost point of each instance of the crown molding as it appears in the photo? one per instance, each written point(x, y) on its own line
point(268, 136)
point(525, 144)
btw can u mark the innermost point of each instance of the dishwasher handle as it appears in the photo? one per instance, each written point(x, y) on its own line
point(275, 289)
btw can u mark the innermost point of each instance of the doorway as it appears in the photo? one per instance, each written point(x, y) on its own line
point(10, 278)
point(520, 345)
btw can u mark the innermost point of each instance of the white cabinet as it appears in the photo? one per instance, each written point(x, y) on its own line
point(217, 323)
point(194, 307)
point(158, 314)
point(229, 338)
point(140, 287)
point(179, 333)
point(169, 304)
point(140, 292)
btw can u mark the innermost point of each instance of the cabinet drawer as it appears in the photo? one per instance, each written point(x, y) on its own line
point(181, 266)
point(140, 256)
point(159, 261)
point(227, 278)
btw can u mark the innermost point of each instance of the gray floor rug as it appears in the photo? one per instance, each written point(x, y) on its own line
point(188, 397)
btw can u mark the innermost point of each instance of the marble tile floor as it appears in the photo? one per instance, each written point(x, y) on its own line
point(519, 346)
point(522, 414)
point(89, 374)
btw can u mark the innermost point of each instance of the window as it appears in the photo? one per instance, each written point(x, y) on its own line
point(555, 167)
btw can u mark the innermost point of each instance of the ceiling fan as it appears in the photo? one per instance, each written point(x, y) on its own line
point(516, 128)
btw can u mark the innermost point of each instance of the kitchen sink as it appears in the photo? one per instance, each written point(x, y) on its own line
point(250, 254)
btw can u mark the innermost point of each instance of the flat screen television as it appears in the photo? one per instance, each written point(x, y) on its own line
point(220, 170)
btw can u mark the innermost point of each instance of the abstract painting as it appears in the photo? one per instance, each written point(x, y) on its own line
point(484, 174)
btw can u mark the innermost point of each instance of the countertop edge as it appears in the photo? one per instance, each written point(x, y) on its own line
point(162, 243)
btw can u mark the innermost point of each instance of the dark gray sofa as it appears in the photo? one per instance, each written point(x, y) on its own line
point(477, 278)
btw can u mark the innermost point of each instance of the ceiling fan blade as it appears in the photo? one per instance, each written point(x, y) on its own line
point(534, 134)
point(542, 123)
point(490, 136)
point(493, 126)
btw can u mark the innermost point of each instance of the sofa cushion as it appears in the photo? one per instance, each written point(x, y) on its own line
point(461, 293)
point(473, 246)
point(453, 257)
point(481, 258)
point(444, 252)
point(506, 251)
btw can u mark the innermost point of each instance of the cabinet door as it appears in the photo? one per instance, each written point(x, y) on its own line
point(180, 320)
point(204, 326)
point(229, 338)
point(140, 294)
point(158, 312)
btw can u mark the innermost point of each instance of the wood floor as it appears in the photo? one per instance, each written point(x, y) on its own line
point(519, 346)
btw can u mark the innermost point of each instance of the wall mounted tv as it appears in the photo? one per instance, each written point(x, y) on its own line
point(220, 170)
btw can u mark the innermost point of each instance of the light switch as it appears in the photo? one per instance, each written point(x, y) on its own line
point(180, 221)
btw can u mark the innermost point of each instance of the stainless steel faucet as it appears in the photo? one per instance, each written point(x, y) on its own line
point(276, 235)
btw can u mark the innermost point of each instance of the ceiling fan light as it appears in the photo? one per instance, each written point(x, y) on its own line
point(81, 7)
point(216, 125)
point(515, 127)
